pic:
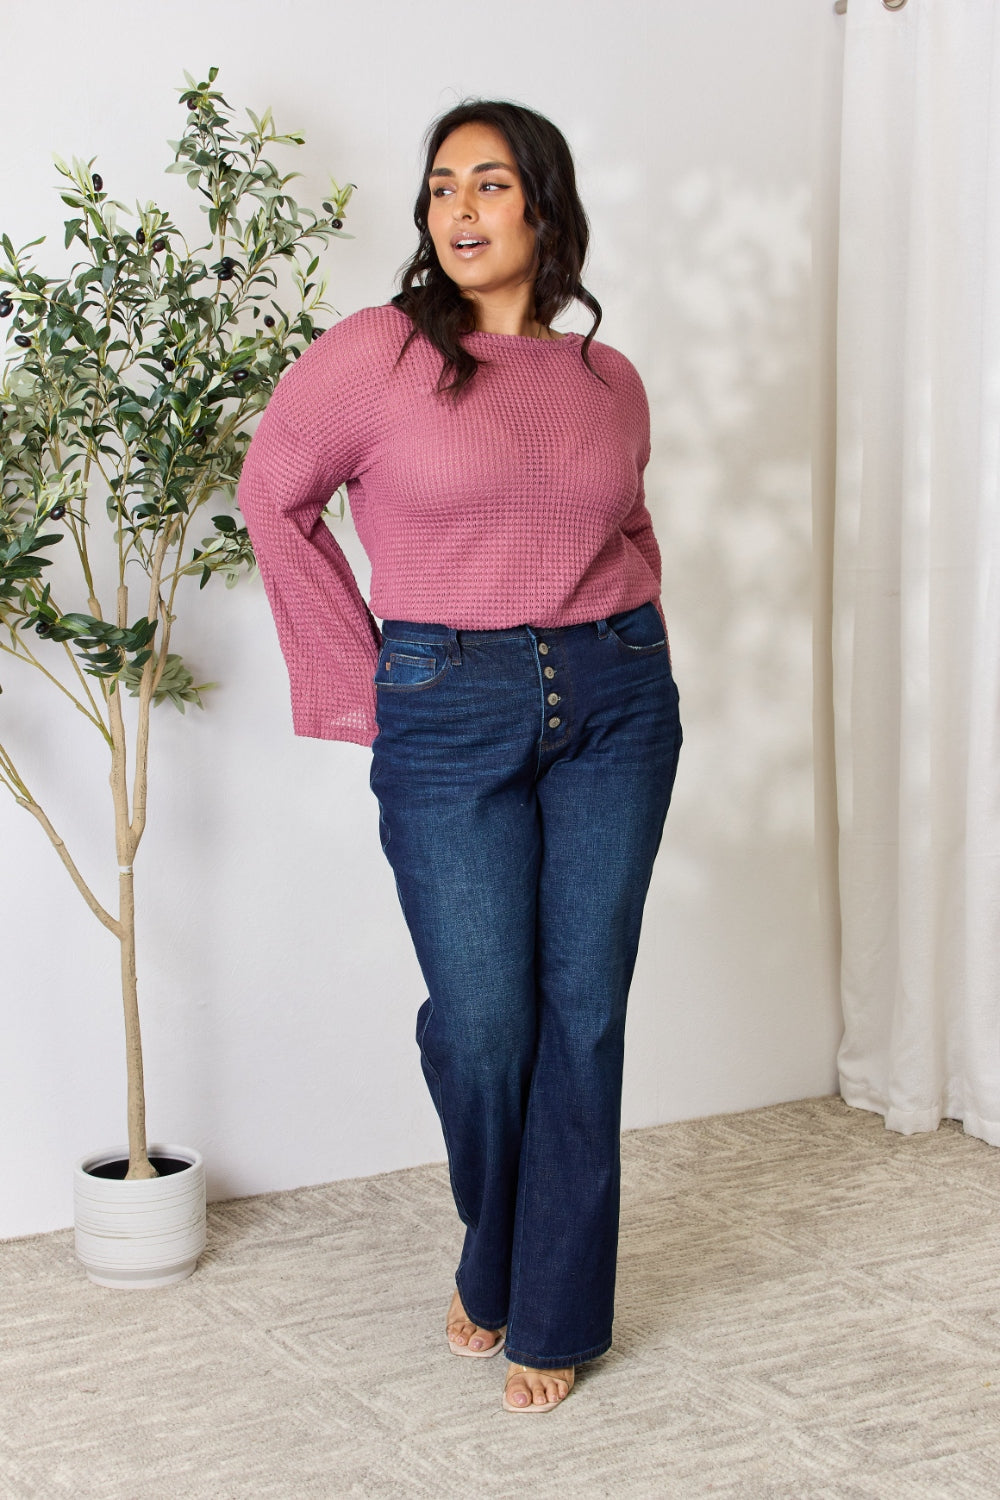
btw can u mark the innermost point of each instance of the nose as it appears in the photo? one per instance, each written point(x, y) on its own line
point(463, 204)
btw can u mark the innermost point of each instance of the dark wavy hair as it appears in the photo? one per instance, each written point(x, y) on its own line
point(553, 209)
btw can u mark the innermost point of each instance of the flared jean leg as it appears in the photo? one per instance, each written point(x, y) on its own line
point(477, 1028)
point(598, 857)
point(453, 773)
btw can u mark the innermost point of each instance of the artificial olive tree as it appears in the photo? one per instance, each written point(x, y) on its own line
point(124, 410)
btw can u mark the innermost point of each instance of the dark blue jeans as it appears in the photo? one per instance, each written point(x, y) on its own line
point(523, 778)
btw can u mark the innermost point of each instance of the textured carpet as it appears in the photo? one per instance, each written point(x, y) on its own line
point(808, 1308)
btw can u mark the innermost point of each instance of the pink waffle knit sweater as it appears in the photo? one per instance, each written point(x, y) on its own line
point(519, 504)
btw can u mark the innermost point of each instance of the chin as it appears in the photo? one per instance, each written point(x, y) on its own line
point(468, 286)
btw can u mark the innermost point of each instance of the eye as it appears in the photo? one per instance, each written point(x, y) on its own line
point(438, 192)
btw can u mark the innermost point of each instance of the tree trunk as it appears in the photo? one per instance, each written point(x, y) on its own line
point(139, 1164)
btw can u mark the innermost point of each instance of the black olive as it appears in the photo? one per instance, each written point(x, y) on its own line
point(268, 320)
point(317, 331)
point(98, 182)
point(140, 235)
point(227, 260)
point(192, 104)
point(239, 375)
point(22, 341)
point(143, 456)
point(199, 432)
point(42, 627)
point(57, 512)
point(168, 364)
point(6, 307)
point(226, 273)
point(159, 245)
point(337, 223)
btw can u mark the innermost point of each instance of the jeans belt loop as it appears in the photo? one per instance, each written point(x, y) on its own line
point(602, 629)
point(454, 649)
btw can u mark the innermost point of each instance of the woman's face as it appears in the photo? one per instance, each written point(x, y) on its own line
point(476, 213)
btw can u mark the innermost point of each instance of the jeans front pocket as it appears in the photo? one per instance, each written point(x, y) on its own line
point(408, 666)
point(638, 631)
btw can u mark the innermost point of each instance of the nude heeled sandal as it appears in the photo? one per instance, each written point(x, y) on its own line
point(468, 1353)
point(464, 1350)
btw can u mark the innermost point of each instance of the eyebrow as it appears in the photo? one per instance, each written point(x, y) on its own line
point(484, 166)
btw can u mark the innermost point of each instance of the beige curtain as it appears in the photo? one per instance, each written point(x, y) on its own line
point(917, 563)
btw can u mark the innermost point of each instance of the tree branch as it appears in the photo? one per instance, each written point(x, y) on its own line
point(149, 682)
point(30, 659)
point(15, 783)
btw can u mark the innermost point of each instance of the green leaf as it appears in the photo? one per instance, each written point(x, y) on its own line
point(176, 682)
point(78, 622)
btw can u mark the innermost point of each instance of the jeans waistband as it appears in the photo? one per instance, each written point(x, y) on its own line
point(412, 630)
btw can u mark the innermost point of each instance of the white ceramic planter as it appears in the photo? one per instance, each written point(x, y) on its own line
point(147, 1233)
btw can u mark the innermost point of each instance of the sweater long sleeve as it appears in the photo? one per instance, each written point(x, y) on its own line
point(519, 503)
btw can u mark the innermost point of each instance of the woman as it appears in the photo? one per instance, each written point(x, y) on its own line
point(519, 697)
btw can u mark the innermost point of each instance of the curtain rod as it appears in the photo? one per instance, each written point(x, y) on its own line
point(840, 6)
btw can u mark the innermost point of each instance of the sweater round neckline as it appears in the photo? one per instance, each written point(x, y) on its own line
point(574, 340)
point(523, 338)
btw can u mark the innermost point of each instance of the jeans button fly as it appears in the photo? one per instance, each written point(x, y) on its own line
point(553, 698)
point(554, 722)
point(549, 671)
point(543, 650)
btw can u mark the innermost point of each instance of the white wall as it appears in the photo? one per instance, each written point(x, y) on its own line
point(278, 990)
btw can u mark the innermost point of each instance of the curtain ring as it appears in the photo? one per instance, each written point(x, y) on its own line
point(894, 4)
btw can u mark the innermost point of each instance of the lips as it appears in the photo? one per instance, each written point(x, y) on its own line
point(468, 245)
